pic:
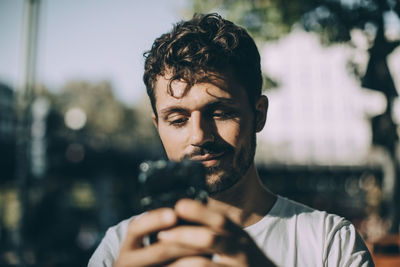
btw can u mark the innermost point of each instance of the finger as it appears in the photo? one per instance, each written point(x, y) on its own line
point(194, 262)
point(194, 211)
point(156, 254)
point(147, 223)
point(201, 238)
point(192, 236)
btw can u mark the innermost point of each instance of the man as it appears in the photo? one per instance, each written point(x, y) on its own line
point(204, 82)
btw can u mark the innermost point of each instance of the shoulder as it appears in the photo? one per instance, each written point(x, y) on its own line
point(108, 249)
point(325, 226)
point(345, 246)
point(310, 237)
point(297, 222)
point(338, 238)
point(289, 210)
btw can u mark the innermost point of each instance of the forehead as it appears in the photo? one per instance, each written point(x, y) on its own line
point(177, 91)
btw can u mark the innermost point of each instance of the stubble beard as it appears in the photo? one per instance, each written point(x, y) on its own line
point(223, 176)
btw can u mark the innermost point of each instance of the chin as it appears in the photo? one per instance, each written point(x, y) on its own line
point(218, 183)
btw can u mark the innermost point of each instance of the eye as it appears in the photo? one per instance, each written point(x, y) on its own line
point(223, 115)
point(178, 122)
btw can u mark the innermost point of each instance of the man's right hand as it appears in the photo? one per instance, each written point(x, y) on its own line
point(133, 253)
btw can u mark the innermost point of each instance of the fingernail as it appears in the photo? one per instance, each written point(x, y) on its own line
point(165, 235)
point(168, 216)
point(182, 205)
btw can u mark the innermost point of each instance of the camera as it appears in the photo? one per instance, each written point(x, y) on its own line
point(162, 183)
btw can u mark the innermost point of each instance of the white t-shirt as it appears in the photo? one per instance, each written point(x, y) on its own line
point(291, 234)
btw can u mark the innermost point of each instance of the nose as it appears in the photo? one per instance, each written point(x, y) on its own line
point(201, 130)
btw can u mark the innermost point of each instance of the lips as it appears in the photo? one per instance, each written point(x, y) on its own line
point(208, 159)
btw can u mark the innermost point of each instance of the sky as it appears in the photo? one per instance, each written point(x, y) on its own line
point(92, 40)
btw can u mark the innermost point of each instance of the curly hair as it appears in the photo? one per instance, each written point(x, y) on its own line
point(202, 47)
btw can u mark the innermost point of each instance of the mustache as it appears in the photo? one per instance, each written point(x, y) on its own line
point(209, 148)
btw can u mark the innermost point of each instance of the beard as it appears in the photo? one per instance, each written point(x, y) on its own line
point(231, 167)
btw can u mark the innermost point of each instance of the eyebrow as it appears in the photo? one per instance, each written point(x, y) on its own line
point(220, 101)
point(170, 110)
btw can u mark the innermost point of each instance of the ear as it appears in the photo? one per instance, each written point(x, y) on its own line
point(261, 108)
point(155, 120)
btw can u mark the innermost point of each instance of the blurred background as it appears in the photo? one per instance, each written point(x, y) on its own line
point(75, 121)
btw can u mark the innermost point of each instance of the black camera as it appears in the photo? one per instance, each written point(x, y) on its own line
point(162, 183)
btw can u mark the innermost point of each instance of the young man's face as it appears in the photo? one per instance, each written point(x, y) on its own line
point(210, 123)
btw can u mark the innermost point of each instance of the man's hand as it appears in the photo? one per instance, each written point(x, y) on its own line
point(133, 253)
point(211, 233)
point(214, 234)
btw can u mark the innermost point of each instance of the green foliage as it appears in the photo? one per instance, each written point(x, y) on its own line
point(270, 19)
point(265, 20)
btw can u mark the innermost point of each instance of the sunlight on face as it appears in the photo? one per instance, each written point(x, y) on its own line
point(209, 123)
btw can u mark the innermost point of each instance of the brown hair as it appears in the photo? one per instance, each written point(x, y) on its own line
point(200, 47)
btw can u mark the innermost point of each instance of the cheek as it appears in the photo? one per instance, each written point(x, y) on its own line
point(236, 133)
point(172, 141)
point(230, 132)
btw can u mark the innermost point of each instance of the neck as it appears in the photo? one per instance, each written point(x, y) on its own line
point(245, 203)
